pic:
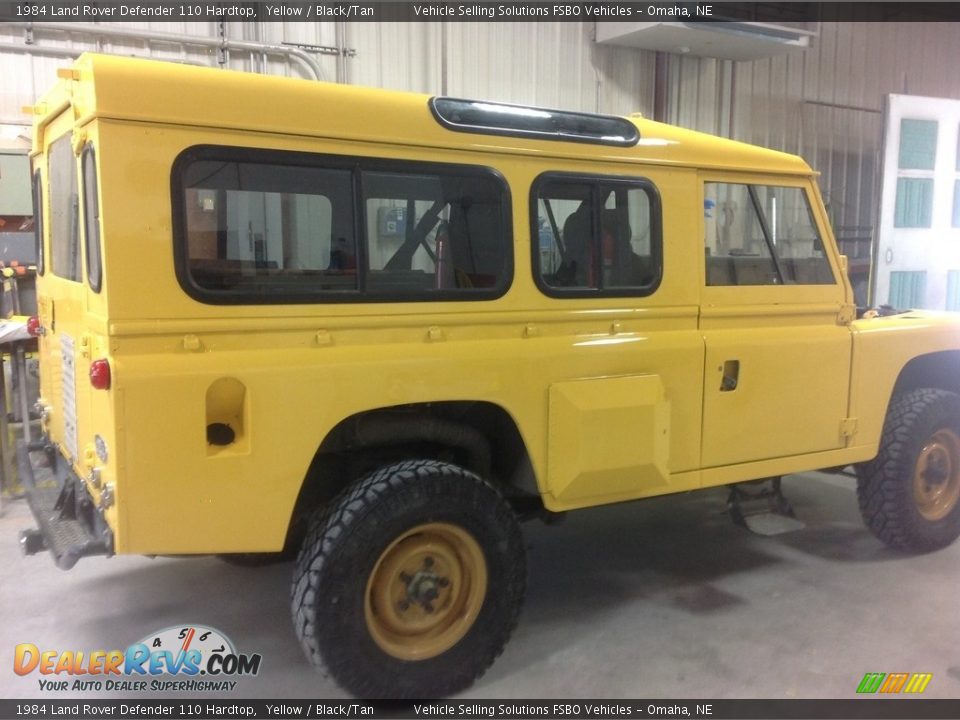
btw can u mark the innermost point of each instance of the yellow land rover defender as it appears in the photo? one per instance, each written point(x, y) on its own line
point(373, 330)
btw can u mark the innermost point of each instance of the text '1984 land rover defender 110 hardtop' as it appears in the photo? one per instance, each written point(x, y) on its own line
point(371, 330)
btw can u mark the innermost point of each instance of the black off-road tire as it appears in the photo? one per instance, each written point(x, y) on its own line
point(346, 543)
point(255, 560)
point(885, 485)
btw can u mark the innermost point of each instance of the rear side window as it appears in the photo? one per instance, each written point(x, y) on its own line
point(762, 235)
point(268, 230)
point(435, 232)
point(64, 211)
point(271, 227)
point(91, 217)
point(38, 219)
point(596, 236)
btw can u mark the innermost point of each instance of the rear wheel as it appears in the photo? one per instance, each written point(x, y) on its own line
point(909, 494)
point(411, 582)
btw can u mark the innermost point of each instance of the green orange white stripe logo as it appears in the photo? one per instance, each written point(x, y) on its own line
point(894, 683)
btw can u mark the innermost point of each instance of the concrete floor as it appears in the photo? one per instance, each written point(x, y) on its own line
point(664, 598)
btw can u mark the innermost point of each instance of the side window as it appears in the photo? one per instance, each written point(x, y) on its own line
point(737, 251)
point(64, 211)
point(267, 229)
point(794, 236)
point(38, 219)
point(91, 217)
point(762, 235)
point(596, 236)
point(431, 232)
point(293, 227)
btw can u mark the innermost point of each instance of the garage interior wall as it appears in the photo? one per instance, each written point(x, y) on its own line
point(824, 103)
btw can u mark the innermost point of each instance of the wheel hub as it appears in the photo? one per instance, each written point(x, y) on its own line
point(425, 591)
point(936, 479)
point(937, 470)
point(424, 587)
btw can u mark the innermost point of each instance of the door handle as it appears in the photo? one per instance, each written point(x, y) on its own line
point(731, 375)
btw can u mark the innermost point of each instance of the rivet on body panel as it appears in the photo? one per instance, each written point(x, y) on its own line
point(531, 330)
point(192, 342)
point(324, 338)
point(434, 333)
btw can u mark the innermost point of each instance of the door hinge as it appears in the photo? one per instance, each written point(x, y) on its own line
point(848, 427)
point(847, 314)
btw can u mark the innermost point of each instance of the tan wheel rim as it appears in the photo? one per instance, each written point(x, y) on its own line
point(936, 477)
point(425, 591)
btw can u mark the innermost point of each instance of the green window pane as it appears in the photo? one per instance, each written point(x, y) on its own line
point(953, 290)
point(918, 144)
point(914, 203)
point(907, 289)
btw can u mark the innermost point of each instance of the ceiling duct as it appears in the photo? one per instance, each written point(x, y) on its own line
point(726, 40)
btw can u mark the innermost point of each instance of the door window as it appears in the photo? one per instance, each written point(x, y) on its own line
point(762, 235)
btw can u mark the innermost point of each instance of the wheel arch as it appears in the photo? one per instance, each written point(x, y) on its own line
point(480, 436)
point(940, 370)
point(879, 382)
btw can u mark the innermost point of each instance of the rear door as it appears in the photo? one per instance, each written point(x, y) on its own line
point(624, 395)
point(61, 293)
point(64, 290)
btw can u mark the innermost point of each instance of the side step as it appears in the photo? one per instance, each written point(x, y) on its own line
point(761, 507)
point(64, 513)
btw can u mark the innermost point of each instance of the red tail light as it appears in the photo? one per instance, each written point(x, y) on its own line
point(33, 326)
point(100, 374)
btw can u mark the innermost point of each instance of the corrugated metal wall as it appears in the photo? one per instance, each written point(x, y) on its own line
point(554, 64)
point(849, 64)
point(824, 103)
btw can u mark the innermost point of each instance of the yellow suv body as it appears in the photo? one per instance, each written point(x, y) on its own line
point(277, 314)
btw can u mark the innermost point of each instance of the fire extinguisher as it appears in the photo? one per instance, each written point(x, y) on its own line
point(445, 275)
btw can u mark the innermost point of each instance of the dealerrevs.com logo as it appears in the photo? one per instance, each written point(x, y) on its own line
point(186, 658)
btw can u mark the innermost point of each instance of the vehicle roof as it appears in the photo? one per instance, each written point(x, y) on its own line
point(107, 86)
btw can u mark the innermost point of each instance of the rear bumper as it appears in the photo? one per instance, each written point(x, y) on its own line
point(69, 524)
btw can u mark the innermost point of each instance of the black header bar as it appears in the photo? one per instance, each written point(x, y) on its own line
point(504, 11)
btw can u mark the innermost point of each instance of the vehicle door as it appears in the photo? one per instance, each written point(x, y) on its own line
point(773, 317)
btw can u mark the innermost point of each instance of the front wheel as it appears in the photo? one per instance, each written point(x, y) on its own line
point(909, 495)
point(410, 583)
